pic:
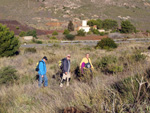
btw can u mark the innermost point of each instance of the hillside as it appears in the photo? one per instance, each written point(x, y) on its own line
point(36, 13)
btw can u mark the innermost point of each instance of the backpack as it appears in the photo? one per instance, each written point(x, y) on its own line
point(37, 65)
point(60, 63)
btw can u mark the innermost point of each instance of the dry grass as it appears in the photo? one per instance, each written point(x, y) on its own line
point(26, 97)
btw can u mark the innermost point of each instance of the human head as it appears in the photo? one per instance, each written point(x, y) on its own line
point(68, 57)
point(87, 55)
point(45, 58)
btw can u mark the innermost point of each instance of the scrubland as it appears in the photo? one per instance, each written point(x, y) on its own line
point(120, 81)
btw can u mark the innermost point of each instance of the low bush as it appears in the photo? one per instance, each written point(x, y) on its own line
point(31, 33)
point(55, 33)
point(95, 31)
point(22, 33)
point(8, 75)
point(70, 37)
point(102, 33)
point(66, 32)
point(106, 43)
point(30, 50)
point(81, 32)
point(109, 64)
point(137, 56)
point(53, 38)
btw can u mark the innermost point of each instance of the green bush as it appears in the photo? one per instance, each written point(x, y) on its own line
point(66, 32)
point(97, 22)
point(127, 27)
point(53, 38)
point(102, 33)
point(70, 37)
point(109, 64)
point(55, 33)
point(30, 50)
point(106, 43)
point(95, 31)
point(22, 33)
point(8, 75)
point(31, 33)
point(37, 41)
point(110, 24)
point(17, 28)
point(9, 44)
point(81, 32)
point(89, 33)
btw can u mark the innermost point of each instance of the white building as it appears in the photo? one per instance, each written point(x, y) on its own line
point(84, 26)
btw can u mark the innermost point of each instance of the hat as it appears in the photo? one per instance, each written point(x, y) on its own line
point(68, 55)
point(45, 58)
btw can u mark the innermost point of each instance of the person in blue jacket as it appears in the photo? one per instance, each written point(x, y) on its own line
point(42, 72)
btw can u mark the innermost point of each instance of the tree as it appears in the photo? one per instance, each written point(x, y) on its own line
point(127, 27)
point(9, 44)
point(97, 22)
point(70, 26)
point(110, 24)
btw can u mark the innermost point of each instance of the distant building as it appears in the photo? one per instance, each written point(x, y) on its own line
point(84, 26)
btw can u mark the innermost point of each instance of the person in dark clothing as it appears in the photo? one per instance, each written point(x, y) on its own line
point(66, 71)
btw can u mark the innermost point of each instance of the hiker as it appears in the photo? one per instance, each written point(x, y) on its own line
point(42, 72)
point(66, 70)
point(86, 64)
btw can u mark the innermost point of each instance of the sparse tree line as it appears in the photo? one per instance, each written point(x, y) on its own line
point(109, 24)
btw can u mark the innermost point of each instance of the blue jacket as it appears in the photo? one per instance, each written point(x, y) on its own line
point(42, 68)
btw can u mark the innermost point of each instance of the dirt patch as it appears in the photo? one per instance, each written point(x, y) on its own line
point(17, 27)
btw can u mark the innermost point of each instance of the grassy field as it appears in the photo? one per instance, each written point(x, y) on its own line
point(115, 87)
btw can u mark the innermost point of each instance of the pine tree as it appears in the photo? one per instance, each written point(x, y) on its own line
point(70, 26)
point(9, 44)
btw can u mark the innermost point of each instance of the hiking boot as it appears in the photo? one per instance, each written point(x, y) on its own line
point(61, 85)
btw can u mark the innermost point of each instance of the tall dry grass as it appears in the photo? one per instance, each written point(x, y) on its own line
point(99, 96)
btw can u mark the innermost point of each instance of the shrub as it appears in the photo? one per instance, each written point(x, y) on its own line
point(53, 38)
point(55, 33)
point(66, 32)
point(9, 44)
point(70, 37)
point(89, 33)
point(106, 43)
point(70, 26)
point(37, 41)
point(137, 56)
point(102, 33)
point(8, 75)
point(17, 28)
point(30, 50)
point(95, 31)
point(81, 32)
point(22, 33)
point(109, 64)
point(31, 33)
point(127, 27)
